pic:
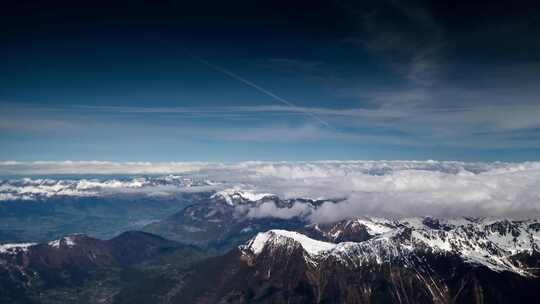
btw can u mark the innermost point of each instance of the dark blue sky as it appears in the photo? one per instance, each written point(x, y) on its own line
point(269, 80)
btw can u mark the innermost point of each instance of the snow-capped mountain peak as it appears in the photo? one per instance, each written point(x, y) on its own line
point(237, 195)
point(66, 241)
point(493, 244)
point(278, 237)
point(15, 248)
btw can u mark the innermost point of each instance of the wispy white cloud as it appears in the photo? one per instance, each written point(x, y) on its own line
point(411, 123)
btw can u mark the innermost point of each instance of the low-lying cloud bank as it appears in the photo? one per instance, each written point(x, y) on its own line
point(281, 169)
point(98, 167)
point(386, 188)
point(482, 190)
point(31, 189)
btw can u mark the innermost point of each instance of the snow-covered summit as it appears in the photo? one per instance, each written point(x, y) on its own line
point(277, 237)
point(15, 248)
point(494, 244)
point(238, 195)
point(66, 241)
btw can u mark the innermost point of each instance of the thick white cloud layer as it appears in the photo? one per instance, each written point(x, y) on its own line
point(394, 188)
point(270, 209)
point(426, 188)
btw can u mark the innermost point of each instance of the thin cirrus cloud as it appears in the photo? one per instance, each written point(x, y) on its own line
point(480, 126)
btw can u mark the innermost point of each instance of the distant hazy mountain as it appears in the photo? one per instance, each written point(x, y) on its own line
point(98, 216)
point(27, 189)
point(225, 219)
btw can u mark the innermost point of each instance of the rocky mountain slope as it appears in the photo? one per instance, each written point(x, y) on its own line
point(29, 270)
point(225, 219)
point(359, 260)
point(372, 260)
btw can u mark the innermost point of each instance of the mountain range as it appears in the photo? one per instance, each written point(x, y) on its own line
point(360, 260)
point(239, 245)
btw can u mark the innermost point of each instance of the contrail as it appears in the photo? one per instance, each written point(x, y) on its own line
point(261, 89)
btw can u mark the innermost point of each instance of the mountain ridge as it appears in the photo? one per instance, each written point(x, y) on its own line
point(287, 266)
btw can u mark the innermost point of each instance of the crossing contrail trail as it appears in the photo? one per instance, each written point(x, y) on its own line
point(262, 90)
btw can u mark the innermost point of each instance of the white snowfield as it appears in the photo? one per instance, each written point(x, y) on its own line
point(484, 242)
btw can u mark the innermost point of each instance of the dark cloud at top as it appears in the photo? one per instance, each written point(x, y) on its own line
point(422, 41)
point(386, 75)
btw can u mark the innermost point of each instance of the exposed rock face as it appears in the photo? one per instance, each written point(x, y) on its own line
point(362, 260)
point(378, 261)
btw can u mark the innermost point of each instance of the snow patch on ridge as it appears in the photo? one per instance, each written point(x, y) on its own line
point(15, 248)
point(278, 237)
point(232, 195)
point(484, 242)
point(68, 241)
point(374, 226)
